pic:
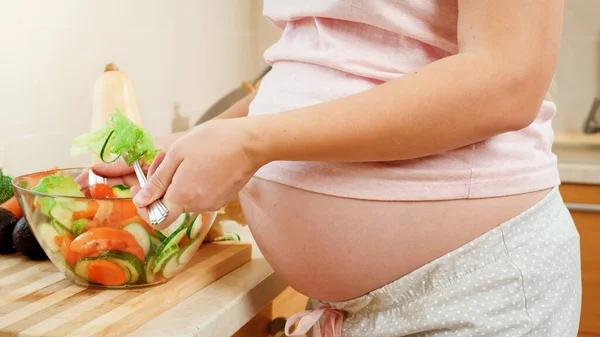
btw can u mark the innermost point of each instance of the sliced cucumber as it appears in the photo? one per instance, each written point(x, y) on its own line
point(155, 242)
point(160, 236)
point(228, 237)
point(171, 267)
point(81, 267)
point(105, 154)
point(79, 226)
point(47, 234)
point(188, 252)
point(164, 257)
point(172, 240)
point(180, 222)
point(195, 229)
point(62, 215)
point(140, 235)
point(149, 274)
point(121, 191)
point(127, 261)
point(62, 230)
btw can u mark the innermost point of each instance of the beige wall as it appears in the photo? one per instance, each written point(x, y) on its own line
point(190, 53)
point(578, 73)
point(186, 52)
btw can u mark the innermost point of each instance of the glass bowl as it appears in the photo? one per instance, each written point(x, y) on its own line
point(102, 242)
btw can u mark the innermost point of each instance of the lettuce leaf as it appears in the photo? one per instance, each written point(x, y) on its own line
point(130, 141)
point(58, 184)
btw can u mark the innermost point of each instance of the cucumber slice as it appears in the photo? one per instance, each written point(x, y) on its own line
point(180, 222)
point(140, 235)
point(81, 268)
point(155, 241)
point(171, 267)
point(79, 226)
point(195, 229)
point(121, 191)
point(164, 257)
point(62, 215)
point(47, 234)
point(172, 240)
point(149, 274)
point(160, 236)
point(127, 261)
point(188, 252)
point(61, 230)
point(105, 154)
point(228, 237)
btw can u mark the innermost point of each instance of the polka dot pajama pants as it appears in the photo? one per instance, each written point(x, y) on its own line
point(523, 278)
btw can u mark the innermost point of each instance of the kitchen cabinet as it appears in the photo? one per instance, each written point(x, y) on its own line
point(285, 305)
point(584, 203)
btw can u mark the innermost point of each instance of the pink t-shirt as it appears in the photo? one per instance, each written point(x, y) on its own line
point(334, 48)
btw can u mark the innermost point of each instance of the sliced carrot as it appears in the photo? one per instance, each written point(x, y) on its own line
point(12, 205)
point(89, 212)
point(106, 273)
point(184, 241)
point(101, 191)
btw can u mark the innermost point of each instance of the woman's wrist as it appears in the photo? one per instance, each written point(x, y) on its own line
point(255, 142)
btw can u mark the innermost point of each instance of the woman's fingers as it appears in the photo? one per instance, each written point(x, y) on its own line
point(156, 163)
point(116, 169)
point(158, 182)
point(174, 212)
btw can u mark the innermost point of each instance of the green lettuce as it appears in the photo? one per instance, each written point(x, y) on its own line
point(58, 184)
point(129, 140)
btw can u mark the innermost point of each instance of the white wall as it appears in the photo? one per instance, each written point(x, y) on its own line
point(186, 52)
point(578, 71)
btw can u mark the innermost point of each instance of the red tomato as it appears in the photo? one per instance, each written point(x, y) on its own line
point(101, 191)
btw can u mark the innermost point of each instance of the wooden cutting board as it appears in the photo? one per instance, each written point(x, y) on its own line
point(37, 300)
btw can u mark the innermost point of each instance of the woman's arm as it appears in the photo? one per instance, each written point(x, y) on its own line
point(495, 84)
point(239, 109)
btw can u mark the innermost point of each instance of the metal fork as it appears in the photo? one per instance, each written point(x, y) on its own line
point(157, 210)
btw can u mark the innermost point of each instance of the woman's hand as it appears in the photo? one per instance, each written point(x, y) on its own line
point(119, 172)
point(202, 171)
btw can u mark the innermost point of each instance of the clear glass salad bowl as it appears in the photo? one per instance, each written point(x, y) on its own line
point(99, 240)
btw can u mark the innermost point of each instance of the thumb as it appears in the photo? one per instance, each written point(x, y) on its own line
point(158, 182)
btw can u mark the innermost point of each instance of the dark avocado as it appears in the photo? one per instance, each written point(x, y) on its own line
point(7, 225)
point(26, 243)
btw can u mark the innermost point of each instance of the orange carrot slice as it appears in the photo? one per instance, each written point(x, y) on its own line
point(12, 205)
point(89, 212)
point(106, 273)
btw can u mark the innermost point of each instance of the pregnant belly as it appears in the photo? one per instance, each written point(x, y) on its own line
point(334, 249)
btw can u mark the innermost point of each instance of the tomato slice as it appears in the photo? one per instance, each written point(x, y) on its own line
point(101, 191)
point(122, 210)
point(99, 239)
point(64, 245)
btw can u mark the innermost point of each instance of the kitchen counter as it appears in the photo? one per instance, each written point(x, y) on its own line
point(578, 157)
point(223, 307)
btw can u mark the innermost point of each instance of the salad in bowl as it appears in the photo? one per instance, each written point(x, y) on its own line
point(92, 231)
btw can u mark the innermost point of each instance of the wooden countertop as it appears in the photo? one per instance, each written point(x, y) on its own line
point(222, 308)
point(216, 296)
